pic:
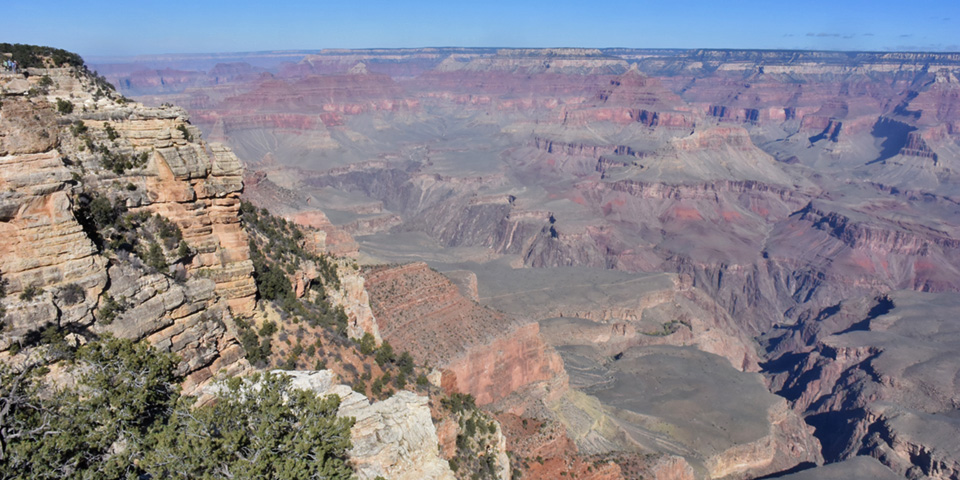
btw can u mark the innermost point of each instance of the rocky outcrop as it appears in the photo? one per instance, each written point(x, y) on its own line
point(553, 146)
point(44, 247)
point(739, 115)
point(831, 131)
point(864, 235)
point(355, 300)
point(27, 127)
point(393, 438)
point(55, 272)
point(183, 318)
point(200, 193)
point(328, 238)
point(917, 147)
point(474, 441)
point(671, 467)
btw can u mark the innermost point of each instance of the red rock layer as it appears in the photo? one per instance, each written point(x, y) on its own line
point(480, 351)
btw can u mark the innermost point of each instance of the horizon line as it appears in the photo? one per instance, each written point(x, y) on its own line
point(427, 48)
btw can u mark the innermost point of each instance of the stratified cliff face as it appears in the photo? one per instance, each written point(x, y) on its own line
point(480, 351)
point(58, 277)
point(196, 186)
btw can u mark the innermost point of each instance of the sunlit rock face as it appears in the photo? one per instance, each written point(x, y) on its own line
point(47, 172)
point(392, 438)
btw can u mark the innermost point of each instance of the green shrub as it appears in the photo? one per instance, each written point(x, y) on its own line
point(119, 163)
point(257, 347)
point(155, 258)
point(359, 386)
point(183, 250)
point(111, 133)
point(385, 354)
point(111, 309)
point(169, 232)
point(368, 344)
point(126, 400)
point(72, 294)
point(406, 363)
point(30, 293)
point(268, 328)
point(459, 402)
point(78, 128)
point(186, 133)
point(65, 107)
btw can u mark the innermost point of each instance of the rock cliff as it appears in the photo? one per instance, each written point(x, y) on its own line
point(420, 310)
point(66, 141)
point(393, 438)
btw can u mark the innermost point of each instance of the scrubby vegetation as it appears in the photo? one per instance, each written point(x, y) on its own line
point(257, 342)
point(278, 252)
point(110, 131)
point(476, 439)
point(311, 332)
point(125, 418)
point(111, 309)
point(669, 328)
point(284, 242)
point(156, 241)
point(110, 156)
point(33, 56)
point(78, 128)
point(30, 292)
point(65, 107)
point(118, 162)
point(72, 294)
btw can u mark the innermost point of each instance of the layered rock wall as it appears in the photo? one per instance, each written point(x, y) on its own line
point(480, 351)
point(56, 274)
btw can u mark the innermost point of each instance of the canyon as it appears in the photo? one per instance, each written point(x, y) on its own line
point(627, 234)
point(660, 263)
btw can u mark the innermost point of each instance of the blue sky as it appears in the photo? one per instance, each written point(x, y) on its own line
point(149, 27)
